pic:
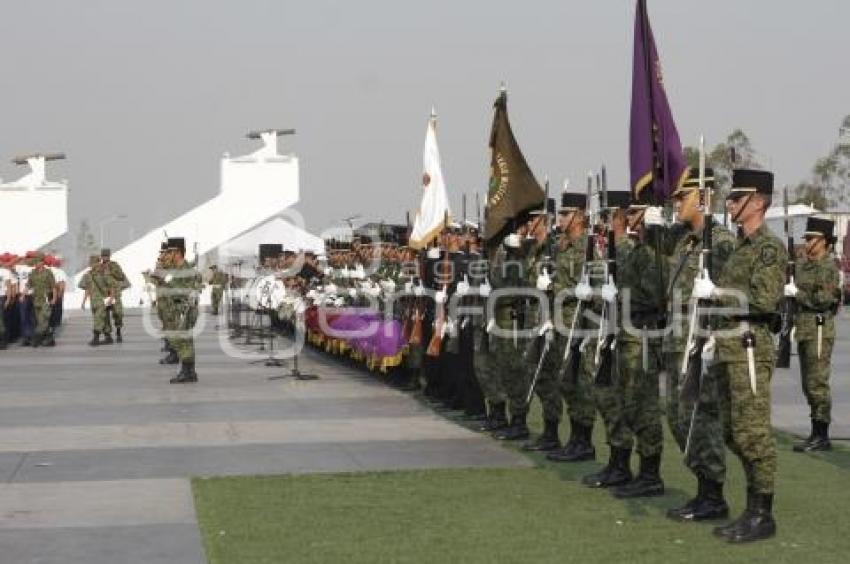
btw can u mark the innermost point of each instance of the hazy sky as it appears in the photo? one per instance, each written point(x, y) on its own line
point(145, 96)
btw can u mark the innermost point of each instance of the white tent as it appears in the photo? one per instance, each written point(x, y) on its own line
point(276, 230)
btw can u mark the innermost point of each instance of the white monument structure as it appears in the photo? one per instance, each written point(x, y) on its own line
point(254, 189)
point(36, 208)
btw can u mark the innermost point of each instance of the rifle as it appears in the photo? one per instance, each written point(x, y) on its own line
point(435, 345)
point(692, 365)
point(546, 337)
point(605, 345)
point(789, 304)
point(588, 259)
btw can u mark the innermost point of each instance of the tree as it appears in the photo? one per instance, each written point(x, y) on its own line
point(808, 194)
point(830, 178)
point(86, 245)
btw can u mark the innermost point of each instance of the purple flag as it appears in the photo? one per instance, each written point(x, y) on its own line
point(657, 164)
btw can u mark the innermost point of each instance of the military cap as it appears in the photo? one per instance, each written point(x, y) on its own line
point(178, 243)
point(105, 253)
point(572, 201)
point(749, 181)
point(692, 180)
point(822, 226)
point(163, 246)
point(621, 199)
point(550, 208)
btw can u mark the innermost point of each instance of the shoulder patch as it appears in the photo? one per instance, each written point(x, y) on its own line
point(769, 255)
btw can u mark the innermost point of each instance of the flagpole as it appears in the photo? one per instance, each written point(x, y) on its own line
point(653, 140)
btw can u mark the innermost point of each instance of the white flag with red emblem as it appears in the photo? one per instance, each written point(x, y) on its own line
point(434, 210)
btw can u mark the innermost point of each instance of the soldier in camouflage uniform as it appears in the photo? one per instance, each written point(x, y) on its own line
point(40, 286)
point(576, 385)
point(609, 396)
point(818, 295)
point(119, 284)
point(541, 274)
point(181, 284)
point(642, 287)
point(506, 350)
point(218, 281)
point(752, 281)
point(706, 456)
point(97, 283)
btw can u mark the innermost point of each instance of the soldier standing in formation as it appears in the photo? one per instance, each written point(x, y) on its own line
point(700, 416)
point(818, 296)
point(752, 281)
point(99, 287)
point(41, 290)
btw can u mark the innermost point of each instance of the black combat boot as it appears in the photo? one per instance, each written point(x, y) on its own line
point(496, 418)
point(187, 373)
point(26, 342)
point(4, 344)
point(707, 505)
point(516, 431)
point(817, 441)
point(756, 523)
point(36, 340)
point(583, 448)
point(107, 338)
point(548, 439)
point(648, 482)
point(48, 340)
point(95, 340)
point(615, 473)
point(118, 336)
point(170, 358)
point(560, 454)
point(731, 529)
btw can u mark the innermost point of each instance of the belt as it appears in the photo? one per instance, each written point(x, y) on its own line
point(804, 309)
point(757, 318)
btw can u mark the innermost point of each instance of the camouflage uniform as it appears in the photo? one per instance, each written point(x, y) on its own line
point(818, 297)
point(97, 282)
point(642, 290)
point(42, 283)
point(119, 284)
point(755, 268)
point(505, 363)
point(706, 453)
point(609, 399)
point(218, 282)
point(181, 284)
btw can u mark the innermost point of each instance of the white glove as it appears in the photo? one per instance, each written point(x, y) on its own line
point(653, 216)
point(704, 288)
point(583, 291)
point(512, 241)
point(485, 289)
point(352, 293)
point(388, 286)
point(709, 349)
point(490, 325)
point(609, 291)
point(546, 329)
point(408, 287)
point(108, 301)
point(345, 273)
point(339, 302)
point(374, 291)
point(791, 289)
point(169, 278)
point(433, 253)
point(418, 290)
point(330, 289)
point(360, 274)
point(463, 287)
point(544, 282)
point(449, 327)
point(441, 297)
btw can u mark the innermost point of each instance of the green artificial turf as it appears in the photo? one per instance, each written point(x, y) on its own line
point(540, 514)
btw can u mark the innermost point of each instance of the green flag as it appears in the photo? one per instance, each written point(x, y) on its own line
point(513, 189)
